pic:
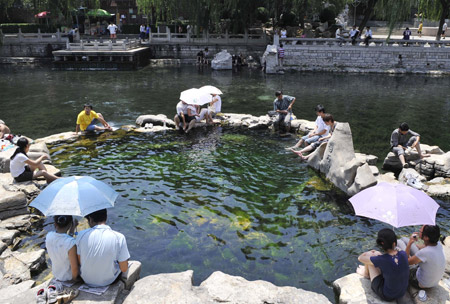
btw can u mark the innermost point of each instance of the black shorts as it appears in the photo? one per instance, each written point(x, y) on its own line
point(26, 175)
point(377, 286)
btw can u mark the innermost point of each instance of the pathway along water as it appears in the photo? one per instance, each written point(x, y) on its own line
point(218, 200)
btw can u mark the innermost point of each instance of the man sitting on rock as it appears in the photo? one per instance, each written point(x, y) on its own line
point(3, 129)
point(283, 106)
point(320, 130)
point(403, 139)
point(87, 120)
point(102, 253)
point(182, 116)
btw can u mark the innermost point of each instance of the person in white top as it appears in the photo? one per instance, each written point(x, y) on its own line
point(339, 37)
point(320, 130)
point(182, 116)
point(24, 169)
point(444, 28)
point(62, 250)
point(367, 36)
point(215, 106)
point(142, 32)
point(283, 33)
point(193, 111)
point(112, 30)
point(102, 252)
point(429, 256)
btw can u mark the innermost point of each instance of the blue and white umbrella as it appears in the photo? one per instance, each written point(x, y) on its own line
point(75, 195)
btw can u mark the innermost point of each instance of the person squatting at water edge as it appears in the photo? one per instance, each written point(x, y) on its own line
point(388, 272)
point(320, 130)
point(88, 118)
point(427, 260)
point(282, 105)
point(182, 116)
point(24, 169)
point(404, 140)
point(193, 112)
point(331, 125)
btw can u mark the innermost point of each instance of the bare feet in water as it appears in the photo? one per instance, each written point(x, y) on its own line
point(361, 270)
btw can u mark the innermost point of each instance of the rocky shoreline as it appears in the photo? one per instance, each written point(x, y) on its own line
point(349, 171)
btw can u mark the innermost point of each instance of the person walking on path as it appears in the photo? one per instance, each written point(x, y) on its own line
point(283, 106)
point(419, 30)
point(429, 256)
point(281, 54)
point(444, 28)
point(403, 139)
point(367, 36)
point(388, 272)
point(87, 120)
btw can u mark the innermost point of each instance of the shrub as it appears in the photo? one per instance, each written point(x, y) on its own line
point(262, 14)
point(327, 14)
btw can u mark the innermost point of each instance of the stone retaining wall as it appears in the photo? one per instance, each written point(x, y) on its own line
point(30, 50)
point(366, 59)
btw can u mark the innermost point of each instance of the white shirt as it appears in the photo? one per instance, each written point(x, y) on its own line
point(321, 126)
point(100, 249)
point(432, 267)
point(444, 27)
point(368, 33)
point(182, 108)
point(353, 32)
point(217, 106)
point(112, 28)
point(283, 34)
point(193, 109)
point(142, 29)
point(58, 246)
point(17, 164)
point(338, 33)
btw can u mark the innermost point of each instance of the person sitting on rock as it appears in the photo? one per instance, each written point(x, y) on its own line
point(102, 253)
point(429, 256)
point(283, 106)
point(405, 139)
point(4, 129)
point(388, 272)
point(62, 249)
point(200, 56)
point(197, 115)
point(24, 169)
point(320, 130)
point(215, 106)
point(88, 118)
point(331, 125)
point(182, 116)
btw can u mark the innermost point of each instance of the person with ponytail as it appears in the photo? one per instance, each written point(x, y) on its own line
point(429, 256)
point(24, 169)
point(62, 249)
point(389, 272)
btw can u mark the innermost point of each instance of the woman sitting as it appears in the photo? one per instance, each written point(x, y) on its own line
point(24, 169)
point(388, 272)
point(193, 111)
point(331, 124)
point(62, 249)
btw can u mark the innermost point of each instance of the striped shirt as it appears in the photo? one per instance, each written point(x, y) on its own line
point(281, 52)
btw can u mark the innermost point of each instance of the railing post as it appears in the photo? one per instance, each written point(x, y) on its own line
point(246, 35)
point(82, 44)
point(227, 36)
point(77, 34)
point(68, 45)
point(19, 35)
point(168, 33)
point(96, 45)
point(39, 34)
point(150, 36)
point(110, 45)
point(188, 36)
point(58, 35)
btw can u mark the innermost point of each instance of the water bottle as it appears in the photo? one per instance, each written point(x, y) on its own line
point(422, 295)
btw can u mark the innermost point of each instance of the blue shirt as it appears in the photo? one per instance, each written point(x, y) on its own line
point(100, 249)
point(395, 274)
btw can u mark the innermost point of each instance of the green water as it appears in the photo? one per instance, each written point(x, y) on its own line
point(218, 199)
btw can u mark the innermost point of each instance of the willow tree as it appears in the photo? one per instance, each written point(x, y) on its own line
point(435, 10)
point(394, 12)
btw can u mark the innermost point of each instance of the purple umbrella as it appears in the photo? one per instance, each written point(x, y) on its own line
point(396, 204)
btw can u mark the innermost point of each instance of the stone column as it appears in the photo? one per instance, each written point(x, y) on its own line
point(276, 40)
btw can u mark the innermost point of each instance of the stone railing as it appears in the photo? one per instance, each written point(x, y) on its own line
point(30, 38)
point(118, 45)
point(208, 38)
point(373, 42)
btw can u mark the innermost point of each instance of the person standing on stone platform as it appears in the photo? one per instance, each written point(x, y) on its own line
point(283, 106)
point(403, 139)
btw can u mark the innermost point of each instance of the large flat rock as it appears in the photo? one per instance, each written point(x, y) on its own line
point(218, 288)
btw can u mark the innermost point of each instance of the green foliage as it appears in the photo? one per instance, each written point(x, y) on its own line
point(326, 15)
point(262, 14)
point(394, 11)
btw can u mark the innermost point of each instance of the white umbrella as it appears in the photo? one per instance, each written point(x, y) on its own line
point(211, 90)
point(195, 96)
point(75, 195)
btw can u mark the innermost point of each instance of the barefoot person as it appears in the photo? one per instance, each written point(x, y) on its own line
point(331, 125)
point(405, 139)
point(87, 120)
point(429, 256)
point(388, 272)
point(24, 169)
point(282, 105)
point(320, 130)
point(198, 115)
